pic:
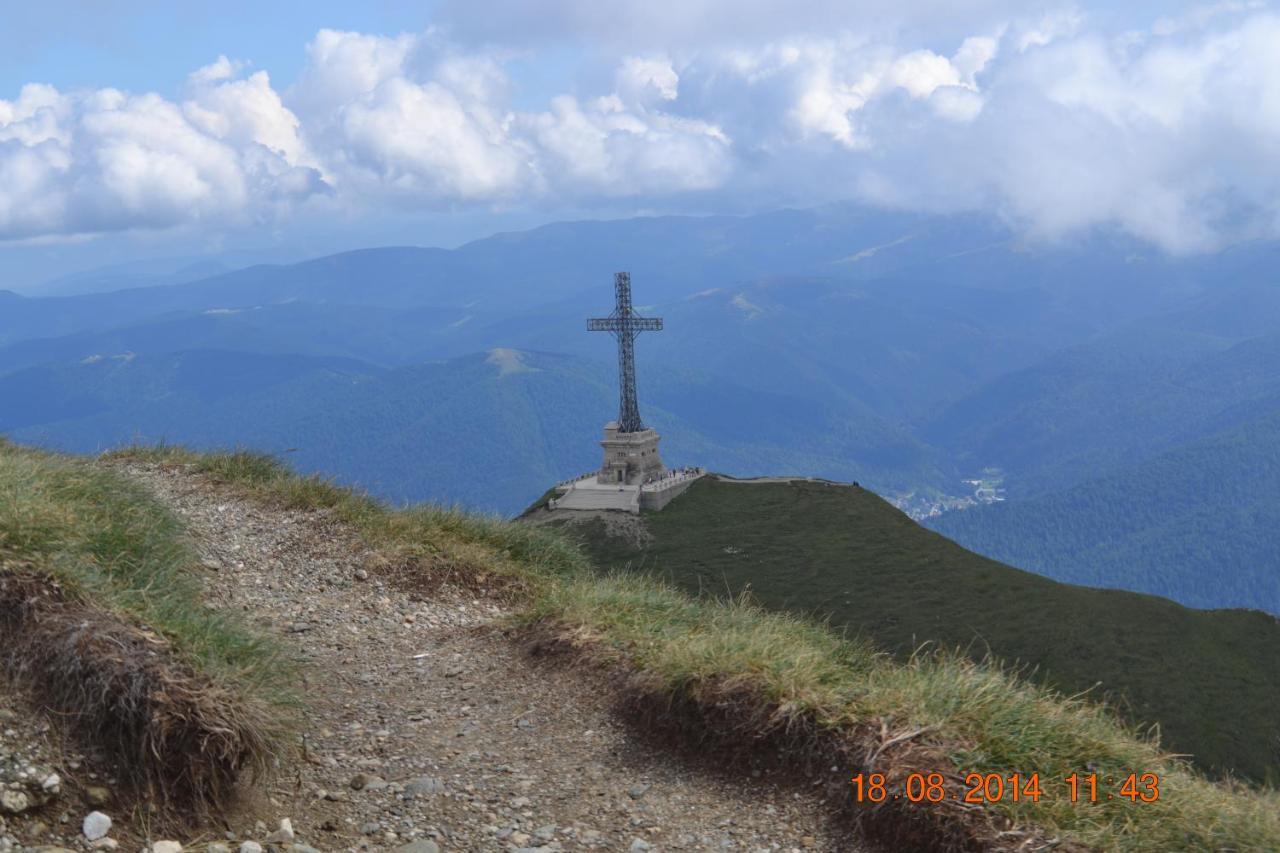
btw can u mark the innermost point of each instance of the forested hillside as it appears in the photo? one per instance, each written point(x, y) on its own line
point(904, 351)
point(489, 431)
point(1167, 526)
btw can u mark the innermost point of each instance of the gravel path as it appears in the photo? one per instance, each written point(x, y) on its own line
point(425, 724)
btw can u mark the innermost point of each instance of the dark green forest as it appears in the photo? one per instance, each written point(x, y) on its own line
point(1168, 525)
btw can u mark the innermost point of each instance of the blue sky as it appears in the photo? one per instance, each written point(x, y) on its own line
point(132, 130)
point(143, 46)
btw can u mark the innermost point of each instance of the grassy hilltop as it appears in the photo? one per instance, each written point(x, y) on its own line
point(1209, 678)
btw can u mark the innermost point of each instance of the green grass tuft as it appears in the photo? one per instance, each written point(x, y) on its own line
point(111, 544)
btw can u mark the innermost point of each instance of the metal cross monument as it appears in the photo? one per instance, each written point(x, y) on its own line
point(625, 324)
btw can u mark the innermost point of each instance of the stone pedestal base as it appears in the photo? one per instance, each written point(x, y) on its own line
point(630, 458)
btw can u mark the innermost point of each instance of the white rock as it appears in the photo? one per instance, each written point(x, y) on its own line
point(52, 783)
point(283, 835)
point(96, 825)
point(107, 843)
point(250, 847)
point(14, 802)
point(166, 847)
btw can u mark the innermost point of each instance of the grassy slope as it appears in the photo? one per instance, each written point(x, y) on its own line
point(843, 553)
point(110, 543)
point(981, 717)
point(103, 618)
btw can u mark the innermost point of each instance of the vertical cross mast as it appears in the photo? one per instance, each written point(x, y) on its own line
point(628, 407)
point(624, 323)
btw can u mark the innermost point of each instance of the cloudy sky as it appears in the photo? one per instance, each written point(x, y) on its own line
point(137, 129)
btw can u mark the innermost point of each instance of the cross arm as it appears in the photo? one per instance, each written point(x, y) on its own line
point(615, 324)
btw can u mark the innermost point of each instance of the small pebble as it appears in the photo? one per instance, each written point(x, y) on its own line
point(97, 795)
point(96, 825)
point(284, 834)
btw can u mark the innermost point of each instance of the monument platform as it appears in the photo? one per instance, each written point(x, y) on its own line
point(586, 492)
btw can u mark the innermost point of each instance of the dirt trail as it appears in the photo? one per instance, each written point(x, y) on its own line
point(424, 722)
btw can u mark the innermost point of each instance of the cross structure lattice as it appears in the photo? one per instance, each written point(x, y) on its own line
point(625, 324)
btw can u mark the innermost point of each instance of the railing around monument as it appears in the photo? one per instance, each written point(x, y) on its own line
point(667, 481)
point(578, 479)
point(672, 478)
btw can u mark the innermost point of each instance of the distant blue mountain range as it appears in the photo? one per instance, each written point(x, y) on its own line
point(1129, 398)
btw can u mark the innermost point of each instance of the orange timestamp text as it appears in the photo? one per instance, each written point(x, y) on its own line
point(1007, 787)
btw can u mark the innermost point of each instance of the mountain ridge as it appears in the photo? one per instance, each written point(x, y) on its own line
point(927, 349)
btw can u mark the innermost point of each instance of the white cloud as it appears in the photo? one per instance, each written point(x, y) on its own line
point(610, 149)
point(1052, 26)
point(1047, 118)
point(35, 117)
point(404, 119)
point(643, 78)
point(1170, 144)
point(973, 55)
point(834, 83)
point(956, 103)
point(244, 112)
point(423, 140)
point(148, 161)
point(104, 160)
point(343, 66)
point(828, 94)
point(431, 125)
point(1166, 138)
point(1201, 16)
point(220, 69)
point(920, 72)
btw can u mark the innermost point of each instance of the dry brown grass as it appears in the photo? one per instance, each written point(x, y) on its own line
point(181, 742)
point(101, 618)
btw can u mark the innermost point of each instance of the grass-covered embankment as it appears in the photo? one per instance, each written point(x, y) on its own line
point(100, 616)
point(781, 679)
point(846, 556)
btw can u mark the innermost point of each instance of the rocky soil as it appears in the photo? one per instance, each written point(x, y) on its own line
point(43, 780)
point(622, 525)
point(426, 727)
